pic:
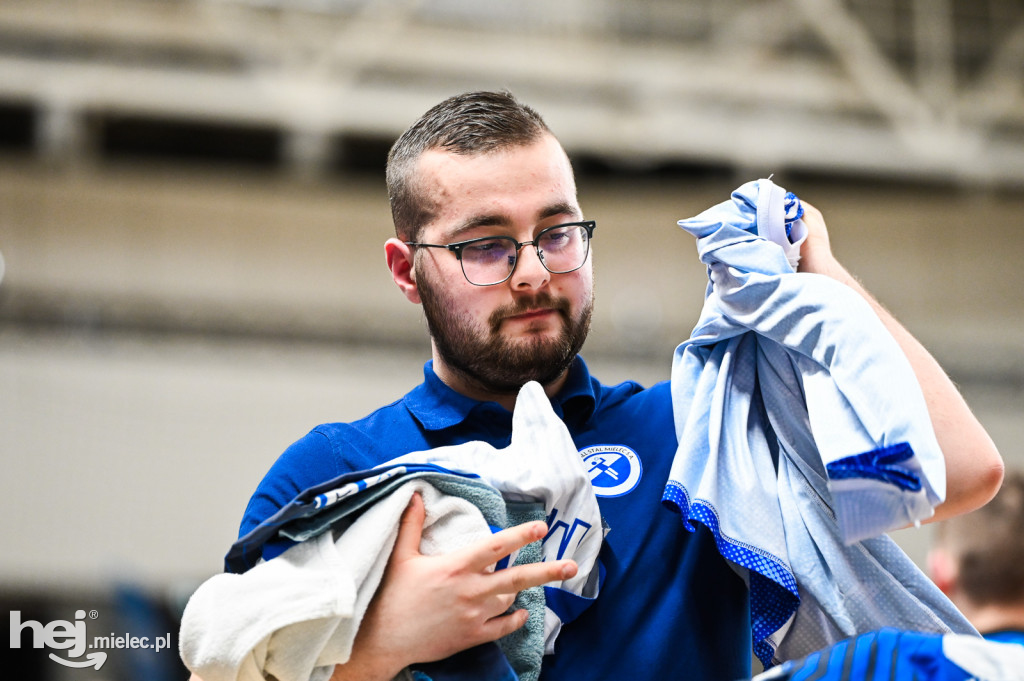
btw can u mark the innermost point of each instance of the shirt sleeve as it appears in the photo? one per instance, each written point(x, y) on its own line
point(307, 462)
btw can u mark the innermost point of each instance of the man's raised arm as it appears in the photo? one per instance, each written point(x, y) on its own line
point(974, 469)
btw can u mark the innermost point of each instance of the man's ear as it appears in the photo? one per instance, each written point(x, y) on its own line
point(400, 261)
point(942, 569)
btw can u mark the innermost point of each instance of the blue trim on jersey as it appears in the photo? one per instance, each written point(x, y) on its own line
point(879, 464)
point(567, 605)
point(263, 540)
point(793, 210)
point(774, 597)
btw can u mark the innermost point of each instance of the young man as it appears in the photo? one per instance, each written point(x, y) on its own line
point(492, 242)
point(978, 561)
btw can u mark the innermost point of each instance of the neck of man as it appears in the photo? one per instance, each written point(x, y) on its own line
point(995, 617)
point(467, 385)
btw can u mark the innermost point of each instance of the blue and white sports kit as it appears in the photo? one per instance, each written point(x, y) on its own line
point(669, 606)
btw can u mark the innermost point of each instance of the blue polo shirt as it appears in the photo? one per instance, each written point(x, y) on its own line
point(670, 606)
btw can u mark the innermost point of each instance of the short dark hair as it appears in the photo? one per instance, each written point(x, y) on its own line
point(470, 123)
point(988, 546)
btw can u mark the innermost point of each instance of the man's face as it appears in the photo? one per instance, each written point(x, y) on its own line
point(531, 326)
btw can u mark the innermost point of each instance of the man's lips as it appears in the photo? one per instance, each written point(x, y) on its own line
point(530, 315)
point(540, 310)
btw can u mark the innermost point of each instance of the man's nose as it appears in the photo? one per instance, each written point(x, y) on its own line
point(530, 272)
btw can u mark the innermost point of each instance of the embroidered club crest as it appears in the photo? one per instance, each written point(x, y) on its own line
point(614, 469)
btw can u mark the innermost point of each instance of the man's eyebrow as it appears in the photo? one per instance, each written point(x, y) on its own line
point(499, 220)
point(494, 220)
point(559, 209)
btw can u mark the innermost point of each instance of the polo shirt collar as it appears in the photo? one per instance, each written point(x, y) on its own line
point(436, 406)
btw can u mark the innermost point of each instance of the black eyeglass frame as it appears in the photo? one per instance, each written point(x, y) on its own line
point(457, 247)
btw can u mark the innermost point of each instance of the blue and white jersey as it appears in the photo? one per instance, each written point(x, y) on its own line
point(669, 606)
point(803, 436)
point(888, 654)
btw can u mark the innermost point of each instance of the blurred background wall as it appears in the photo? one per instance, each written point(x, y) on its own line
point(192, 211)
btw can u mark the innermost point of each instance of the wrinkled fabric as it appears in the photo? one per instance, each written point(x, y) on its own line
point(296, 615)
point(803, 436)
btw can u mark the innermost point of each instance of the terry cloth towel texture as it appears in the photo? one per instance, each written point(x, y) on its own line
point(295, 616)
point(893, 654)
point(803, 436)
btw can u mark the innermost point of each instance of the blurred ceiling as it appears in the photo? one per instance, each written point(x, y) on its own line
point(922, 89)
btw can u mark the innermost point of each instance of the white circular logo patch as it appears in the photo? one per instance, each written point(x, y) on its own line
point(614, 469)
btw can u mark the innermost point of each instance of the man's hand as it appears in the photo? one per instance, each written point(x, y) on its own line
point(430, 607)
point(816, 251)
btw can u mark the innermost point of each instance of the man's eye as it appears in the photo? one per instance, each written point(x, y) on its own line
point(556, 238)
point(493, 249)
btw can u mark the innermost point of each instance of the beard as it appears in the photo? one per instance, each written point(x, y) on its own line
point(492, 361)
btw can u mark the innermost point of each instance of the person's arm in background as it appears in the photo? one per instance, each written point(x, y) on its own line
point(974, 468)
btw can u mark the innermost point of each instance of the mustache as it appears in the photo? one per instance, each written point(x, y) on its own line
point(541, 301)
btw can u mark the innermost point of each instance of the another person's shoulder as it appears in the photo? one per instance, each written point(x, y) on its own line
point(1005, 636)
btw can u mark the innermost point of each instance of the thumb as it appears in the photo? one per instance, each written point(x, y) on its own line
point(410, 529)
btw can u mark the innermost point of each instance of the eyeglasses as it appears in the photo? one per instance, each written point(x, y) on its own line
point(491, 260)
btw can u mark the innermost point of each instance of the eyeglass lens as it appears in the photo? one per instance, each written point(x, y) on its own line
point(491, 261)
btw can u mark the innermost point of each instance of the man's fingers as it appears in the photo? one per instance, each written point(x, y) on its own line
point(515, 579)
point(505, 602)
point(505, 584)
point(410, 529)
point(489, 551)
point(496, 627)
